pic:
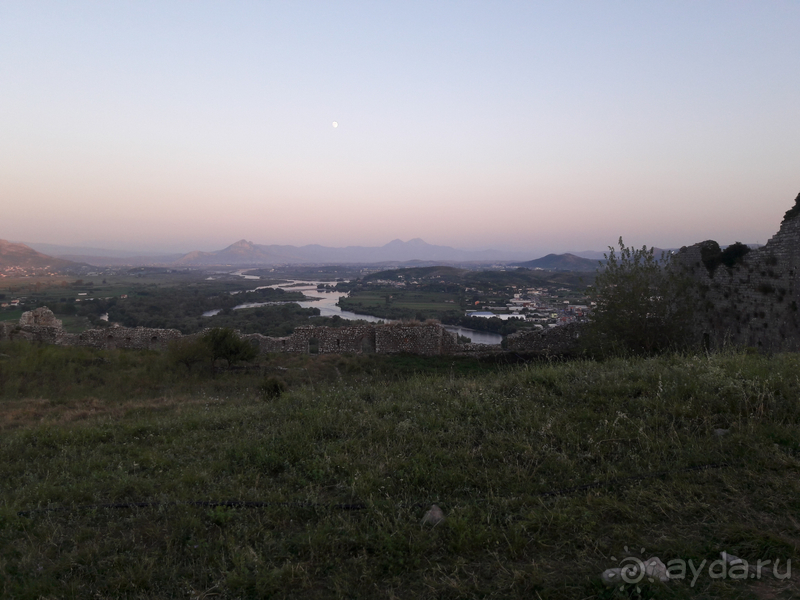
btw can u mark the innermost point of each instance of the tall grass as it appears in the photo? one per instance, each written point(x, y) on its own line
point(489, 444)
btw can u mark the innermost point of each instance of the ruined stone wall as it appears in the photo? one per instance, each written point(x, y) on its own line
point(39, 317)
point(754, 302)
point(41, 326)
point(31, 333)
point(426, 339)
point(131, 338)
point(555, 341)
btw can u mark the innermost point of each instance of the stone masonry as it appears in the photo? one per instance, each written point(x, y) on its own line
point(426, 339)
point(753, 302)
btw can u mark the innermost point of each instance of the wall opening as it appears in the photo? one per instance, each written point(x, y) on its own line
point(313, 345)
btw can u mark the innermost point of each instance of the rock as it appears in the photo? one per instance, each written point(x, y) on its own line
point(434, 516)
point(41, 317)
point(654, 569)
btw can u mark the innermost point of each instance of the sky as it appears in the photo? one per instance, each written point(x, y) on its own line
point(535, 126)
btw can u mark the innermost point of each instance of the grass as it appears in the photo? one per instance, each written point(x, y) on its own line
point(10, 314)
point(431, 304)
point(486, 442)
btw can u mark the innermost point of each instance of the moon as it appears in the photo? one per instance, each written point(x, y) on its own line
point(335, 124)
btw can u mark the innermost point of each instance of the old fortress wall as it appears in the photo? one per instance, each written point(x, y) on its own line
point(427, 339)
point(754, 301)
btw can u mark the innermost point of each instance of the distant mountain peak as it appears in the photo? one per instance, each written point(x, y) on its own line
point(398, 243)
point(246, 253)
point(19, 255)
point(560, 262)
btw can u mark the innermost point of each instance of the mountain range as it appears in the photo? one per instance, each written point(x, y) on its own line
point(245, 253)
point(248, 254)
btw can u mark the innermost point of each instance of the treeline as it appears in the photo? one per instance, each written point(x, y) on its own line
point(451, 317)
point(493, 325)
point(484, 279)
point(182, 308)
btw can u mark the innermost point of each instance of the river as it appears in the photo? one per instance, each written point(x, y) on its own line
point(326, 303)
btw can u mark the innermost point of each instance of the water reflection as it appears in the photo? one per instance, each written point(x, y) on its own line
point(325, 301)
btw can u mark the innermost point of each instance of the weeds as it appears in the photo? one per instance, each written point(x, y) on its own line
point(486, 443)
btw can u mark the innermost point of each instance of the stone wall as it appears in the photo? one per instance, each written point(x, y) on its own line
point(39, 317)
point(755, 301)
point(322, 340)
point(426, 339)
point(141, 338)
point(555, 341)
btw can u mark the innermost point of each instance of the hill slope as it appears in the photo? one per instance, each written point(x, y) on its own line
point(21, 256)
point(561, 262)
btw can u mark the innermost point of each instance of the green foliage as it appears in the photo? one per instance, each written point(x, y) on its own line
point(643, 305)
point(271, 387)
point(189, 352)
point(61, 308)
point(182, 308)
point(713, 256)
point(224, 344)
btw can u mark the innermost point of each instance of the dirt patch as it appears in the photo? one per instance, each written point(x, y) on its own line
point(15, 414)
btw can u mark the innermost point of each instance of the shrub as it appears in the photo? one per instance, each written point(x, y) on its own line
point(271, 388)
point(713, 256)
point(643, 305)
point(215, 344)
point(223, 343)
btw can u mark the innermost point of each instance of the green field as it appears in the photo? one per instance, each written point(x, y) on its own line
point(546, 474)
point(10, 314)
point(59, 289)
point(398, 304)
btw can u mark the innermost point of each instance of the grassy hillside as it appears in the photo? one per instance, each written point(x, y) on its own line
point(545, 473)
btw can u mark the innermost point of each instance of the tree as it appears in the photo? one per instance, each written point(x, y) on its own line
point(643, 305)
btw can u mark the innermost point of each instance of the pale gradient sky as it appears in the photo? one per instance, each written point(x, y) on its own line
point(545, 126)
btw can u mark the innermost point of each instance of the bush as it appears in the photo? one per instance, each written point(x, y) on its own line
point(223, 343)
point(713, 256)
point(215, 344)
point(271, 388)
point(644, 305)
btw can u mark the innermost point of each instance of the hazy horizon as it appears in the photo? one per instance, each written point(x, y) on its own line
point(543, 128)
point(125, 251)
